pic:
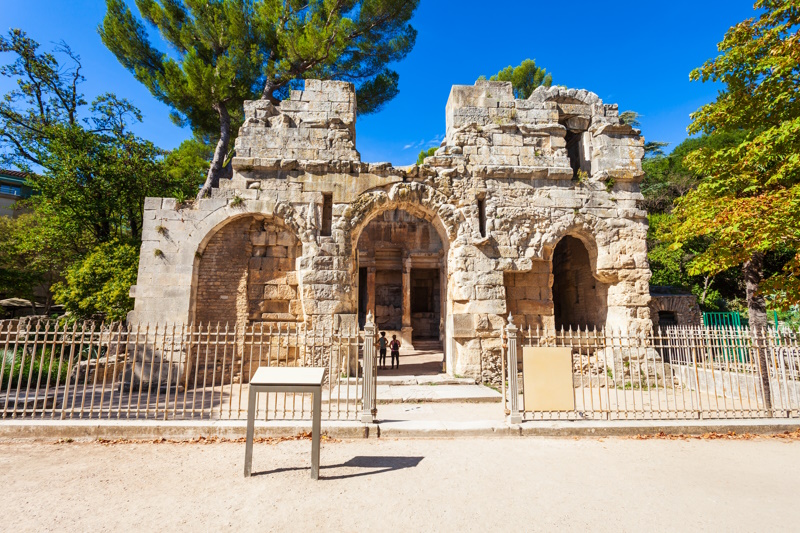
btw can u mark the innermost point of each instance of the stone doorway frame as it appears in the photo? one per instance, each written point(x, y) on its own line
point(420, 201)
point(409, 261)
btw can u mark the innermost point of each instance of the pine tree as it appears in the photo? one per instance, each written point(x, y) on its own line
point(224, 52)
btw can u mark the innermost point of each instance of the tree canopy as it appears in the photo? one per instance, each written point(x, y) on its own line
point(91, 173)
point(524, 78)
point(224, 52)
point(748, 200)
point(426, 153)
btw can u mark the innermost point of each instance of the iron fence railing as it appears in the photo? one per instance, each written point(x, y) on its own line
point(56, 370)
point(674, 373)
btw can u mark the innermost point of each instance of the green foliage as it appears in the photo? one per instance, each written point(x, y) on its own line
point(98, 182)
point(187, 165)
point(670, 267)
point(426, 153)
point(524, 78)
point(34, 366)
point(93, 180)
point(99, 284)
point(748, 201)
point(34, 249)
point(16, 280)
point(667, 177)
point(223, 52)
point(789, 318)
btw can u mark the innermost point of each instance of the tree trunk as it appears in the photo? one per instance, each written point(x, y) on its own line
point(266, 94)
point(757, 309)
point(215, 170)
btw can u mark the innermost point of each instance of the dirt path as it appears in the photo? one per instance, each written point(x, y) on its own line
point(409, 485)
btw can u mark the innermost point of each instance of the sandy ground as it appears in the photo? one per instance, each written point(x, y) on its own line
point(405, 485)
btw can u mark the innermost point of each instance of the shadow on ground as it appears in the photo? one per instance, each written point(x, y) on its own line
point(373, 464)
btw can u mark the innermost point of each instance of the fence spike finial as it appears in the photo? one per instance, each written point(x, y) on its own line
point(510, 319)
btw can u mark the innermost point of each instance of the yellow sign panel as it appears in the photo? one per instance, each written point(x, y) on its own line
point(547, 379)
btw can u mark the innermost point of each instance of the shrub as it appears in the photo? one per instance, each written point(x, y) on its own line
point(14, 363)
point(100, 284)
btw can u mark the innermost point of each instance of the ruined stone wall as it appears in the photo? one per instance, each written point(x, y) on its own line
point(555, 165)
point(529, 297)
point(684, 306)
point(273, 294)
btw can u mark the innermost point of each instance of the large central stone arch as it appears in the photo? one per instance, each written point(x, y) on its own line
point(422, 202)
point(417, 198)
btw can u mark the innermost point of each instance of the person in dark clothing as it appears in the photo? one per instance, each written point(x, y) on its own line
point(383, 342)
point(395, 347)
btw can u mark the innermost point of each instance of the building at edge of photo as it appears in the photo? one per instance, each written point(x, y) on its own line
point(528, 208)
point(12, 189)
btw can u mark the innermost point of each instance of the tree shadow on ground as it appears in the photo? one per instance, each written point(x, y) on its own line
point(375, 464)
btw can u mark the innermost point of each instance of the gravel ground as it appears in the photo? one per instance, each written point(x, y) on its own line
point(409, 485)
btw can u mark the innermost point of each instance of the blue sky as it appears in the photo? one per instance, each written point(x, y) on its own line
point(634, 53)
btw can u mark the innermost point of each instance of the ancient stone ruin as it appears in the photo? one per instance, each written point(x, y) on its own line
point(529, 207)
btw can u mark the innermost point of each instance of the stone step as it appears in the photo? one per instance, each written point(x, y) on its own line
point(437, 394)
point(434, 379)
point(428, 346)
point(387, 394)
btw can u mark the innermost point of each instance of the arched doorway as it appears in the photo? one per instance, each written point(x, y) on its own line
point(245, 273)
point(402, 281)
point(579, 299)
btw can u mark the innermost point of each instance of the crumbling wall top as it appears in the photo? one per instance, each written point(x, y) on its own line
point(315, 124)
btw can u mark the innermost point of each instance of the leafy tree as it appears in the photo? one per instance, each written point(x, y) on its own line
point(188, 164)
point(33, 253)
point(94, 174)
point(667, 177)
point(426, 153)
point(524, 78)
point(46, 95)
point(101, 282)
point(16, 281)
point(748, 201)
point(226, 51)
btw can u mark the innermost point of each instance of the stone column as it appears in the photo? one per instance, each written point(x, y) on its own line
point(371, 290)
point(369, 406)
point(514, 416)
point(406, 331)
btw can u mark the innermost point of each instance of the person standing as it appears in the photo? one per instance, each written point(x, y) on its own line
point(383, 342)
point(395, 347)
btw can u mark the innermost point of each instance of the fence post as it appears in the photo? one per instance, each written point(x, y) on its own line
point(369, 410)
point(514, 416)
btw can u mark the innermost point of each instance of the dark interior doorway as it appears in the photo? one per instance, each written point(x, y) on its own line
point(667, 318)
point(579, 300)
point(426, 303)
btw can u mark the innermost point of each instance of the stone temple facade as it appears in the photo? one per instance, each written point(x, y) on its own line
point(529, 207)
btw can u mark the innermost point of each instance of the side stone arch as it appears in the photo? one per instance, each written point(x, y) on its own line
point(683, 307)
point(173, 240)
point(586, 231)
point(244, 271)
